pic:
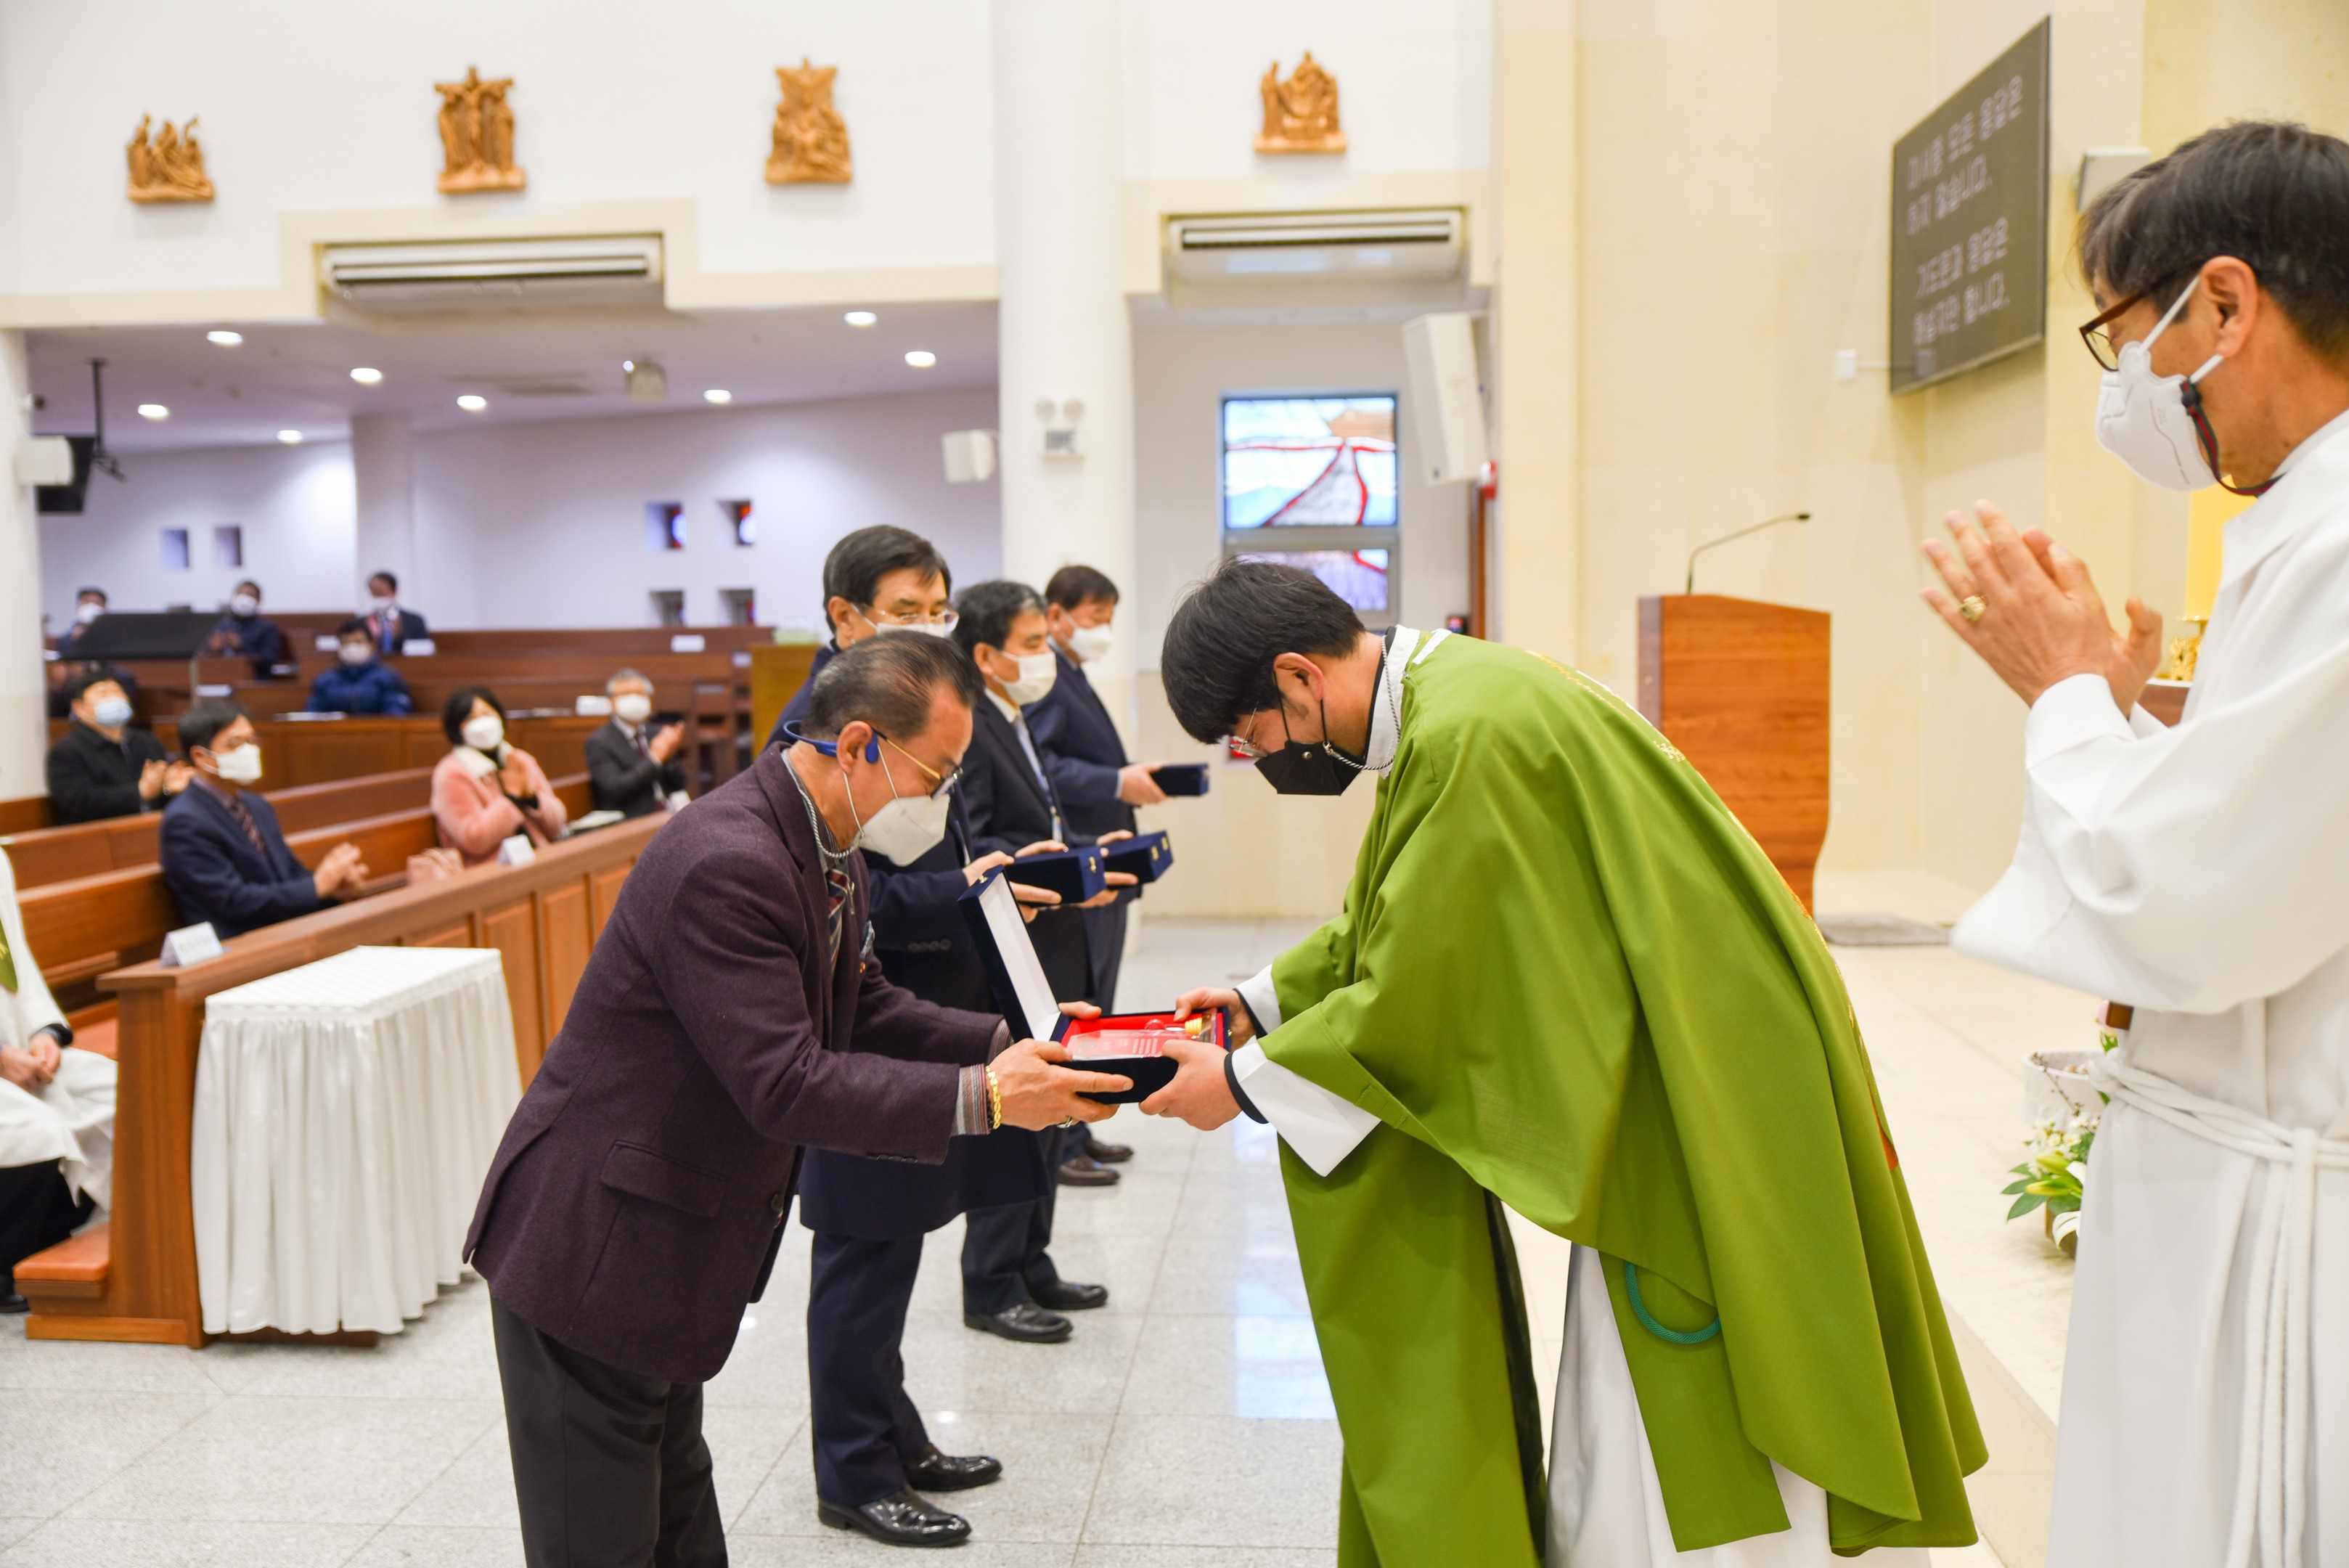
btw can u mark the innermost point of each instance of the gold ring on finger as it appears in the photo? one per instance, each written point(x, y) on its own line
point(1972, 608)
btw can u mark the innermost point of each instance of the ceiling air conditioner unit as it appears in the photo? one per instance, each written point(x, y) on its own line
point(1410, 247)
point(495, 275)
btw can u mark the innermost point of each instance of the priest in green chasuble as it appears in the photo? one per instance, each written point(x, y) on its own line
point(1565, 981)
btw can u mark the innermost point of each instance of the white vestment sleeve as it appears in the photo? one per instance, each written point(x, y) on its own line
point(2188, 870)
point(1263, 1001)
point(1322, 1127)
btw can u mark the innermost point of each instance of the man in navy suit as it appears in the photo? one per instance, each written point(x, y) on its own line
point(875, 580)
point(393, 624)
point(222, 855)
point(1099, 789)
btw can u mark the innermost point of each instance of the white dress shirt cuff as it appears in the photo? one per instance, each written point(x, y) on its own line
point(1263, 1000)
point(2077, 709)
point(1322, 1127)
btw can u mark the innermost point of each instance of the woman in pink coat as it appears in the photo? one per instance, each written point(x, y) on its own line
point(485, 791)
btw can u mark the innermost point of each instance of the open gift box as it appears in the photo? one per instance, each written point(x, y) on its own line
point(1130, 1045)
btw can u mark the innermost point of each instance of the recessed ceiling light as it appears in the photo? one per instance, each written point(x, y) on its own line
point(153, 411)
point(718, 395)
point(472, 402)
point(860, 318)
point(627, 366)
point(225, 338)
point(366, 375)
point(920, 358)
point(291, 438)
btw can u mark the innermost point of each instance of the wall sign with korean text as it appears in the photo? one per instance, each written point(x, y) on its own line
point(1969, 222)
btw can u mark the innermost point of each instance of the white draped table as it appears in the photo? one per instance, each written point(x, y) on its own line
point(345, 1115)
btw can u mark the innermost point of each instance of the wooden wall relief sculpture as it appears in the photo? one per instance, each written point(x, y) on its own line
point(1300, 115)
point(477, 135)
point(811, 139)
point(170, 167)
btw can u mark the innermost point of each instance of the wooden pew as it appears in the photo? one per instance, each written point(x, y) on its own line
point(119, 843)
point(139, 1283)
point(26, 813)
point(83, 927)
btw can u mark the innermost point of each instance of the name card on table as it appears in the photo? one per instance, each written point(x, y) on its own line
point(688, 642)
point(418, 648)
point(190, 944)
point(592, 707)
point(517, 851)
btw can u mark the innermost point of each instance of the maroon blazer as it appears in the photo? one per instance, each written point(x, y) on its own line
point(634, 1204)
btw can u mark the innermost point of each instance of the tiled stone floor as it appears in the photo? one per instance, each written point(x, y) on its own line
point(1186, 1426)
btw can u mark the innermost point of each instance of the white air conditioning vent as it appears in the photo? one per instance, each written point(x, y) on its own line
point(497, 275)
point(1402, 247)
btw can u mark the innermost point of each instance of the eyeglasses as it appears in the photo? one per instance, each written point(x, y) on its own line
point(940, 783)
point(945, 622)
point(2099, 339)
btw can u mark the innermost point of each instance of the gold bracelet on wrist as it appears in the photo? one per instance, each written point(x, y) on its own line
point(994, 1102)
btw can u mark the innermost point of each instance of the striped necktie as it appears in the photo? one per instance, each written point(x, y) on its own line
point(839, 888)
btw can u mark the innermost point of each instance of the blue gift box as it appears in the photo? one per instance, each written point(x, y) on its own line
point(1181, 778)
point(1076, 875)
point(1145, 856)
point(1025, 996)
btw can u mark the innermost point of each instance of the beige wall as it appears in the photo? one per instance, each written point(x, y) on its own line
point(1723, 192)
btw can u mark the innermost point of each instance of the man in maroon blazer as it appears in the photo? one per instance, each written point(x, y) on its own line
point(729, 1017)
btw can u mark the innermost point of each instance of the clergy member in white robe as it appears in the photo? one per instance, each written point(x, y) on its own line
point(56, 1103)
point(2200, 874)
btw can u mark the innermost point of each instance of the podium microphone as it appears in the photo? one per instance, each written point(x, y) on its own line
point(1790, 517)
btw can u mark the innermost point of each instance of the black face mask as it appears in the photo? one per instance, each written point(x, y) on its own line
point(1319, 767)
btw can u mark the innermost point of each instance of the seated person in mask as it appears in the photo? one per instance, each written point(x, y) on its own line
point(633, 768)
point(395, 626)
point(486, 789)
point(222, 855)
point(57, 1110)
point(89, 605)
point(100, 767)
point(244, 634)
point(360, 684)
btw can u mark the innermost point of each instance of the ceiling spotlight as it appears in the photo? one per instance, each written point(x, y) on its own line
point(225, 338)
point(627, 366)
point(920, 358)
point(153, 411)
point(291, 438)
point(860, 318)
point(366, 375)
point(472, 402)
point(718, 395)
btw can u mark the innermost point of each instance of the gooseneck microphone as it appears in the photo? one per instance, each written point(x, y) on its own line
point(1689, 586)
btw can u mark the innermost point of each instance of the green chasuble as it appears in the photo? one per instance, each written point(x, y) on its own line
point(1566, 978)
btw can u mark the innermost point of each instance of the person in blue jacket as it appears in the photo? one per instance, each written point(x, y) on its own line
point(360, 682)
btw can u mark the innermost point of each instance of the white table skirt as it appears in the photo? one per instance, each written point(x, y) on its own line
point(346, 1113)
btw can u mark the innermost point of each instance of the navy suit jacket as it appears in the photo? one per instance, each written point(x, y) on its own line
point(796, 709)
point(1081, 752)
point(216, 874)
point(637, 1202)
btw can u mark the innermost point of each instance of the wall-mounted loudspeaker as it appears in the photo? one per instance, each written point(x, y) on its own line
point(1447, 396)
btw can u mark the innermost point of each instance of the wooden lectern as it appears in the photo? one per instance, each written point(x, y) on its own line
point(1741, 688)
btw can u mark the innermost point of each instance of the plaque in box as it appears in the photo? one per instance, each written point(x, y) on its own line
point(1132, 1045)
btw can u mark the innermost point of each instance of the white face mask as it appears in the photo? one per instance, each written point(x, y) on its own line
point(906, 828)
point(484, 733)
point(2142, 418)
point(356, 654)
point(85, 614)
point(111, 712)
point(633, 709)
point(383, 606)
point(243, 605)
point(1036, 673)
point(927, 627)
point(241, 765)
point(1091, 644)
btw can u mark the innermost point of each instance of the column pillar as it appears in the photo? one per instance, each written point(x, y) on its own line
point(1064, 333)
point(24, 694)
point(383, 474)
point(1537, 560)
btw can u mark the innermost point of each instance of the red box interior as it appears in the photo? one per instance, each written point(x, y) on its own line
point(1215, 1030)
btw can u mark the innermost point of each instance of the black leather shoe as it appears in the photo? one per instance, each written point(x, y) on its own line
point(935, 1471)
point(1067, 1296)
point(12, 1303)
point(1086, 1172)
point(900, 1518)
point(1026, 1323)
point(1108, 1153)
